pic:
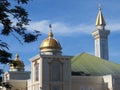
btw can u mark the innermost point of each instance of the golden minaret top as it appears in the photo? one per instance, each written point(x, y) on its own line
point(100, 19)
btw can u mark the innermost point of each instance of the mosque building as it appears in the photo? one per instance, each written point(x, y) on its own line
point(50, 70)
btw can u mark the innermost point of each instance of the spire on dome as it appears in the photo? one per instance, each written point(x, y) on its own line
point(17, 56)
point(16, 64)
point(50, 33)
point(100, 19)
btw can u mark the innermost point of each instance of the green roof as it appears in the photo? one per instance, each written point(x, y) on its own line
point(93, 65)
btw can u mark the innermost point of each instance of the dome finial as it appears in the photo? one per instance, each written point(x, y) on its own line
point(50, 26)
point(17, 56)
point(50, 33)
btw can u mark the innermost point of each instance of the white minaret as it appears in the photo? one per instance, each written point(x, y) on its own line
point(101, 37)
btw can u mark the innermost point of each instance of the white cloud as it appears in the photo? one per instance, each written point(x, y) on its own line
point(114, 27)
point(67, 29)
point(60, 28)
point(40, 26)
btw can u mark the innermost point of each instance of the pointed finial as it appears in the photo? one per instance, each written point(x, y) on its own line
point(50, 33)
point(50, 26)
point(100, 6)
point(100, 19)
point(17, 56)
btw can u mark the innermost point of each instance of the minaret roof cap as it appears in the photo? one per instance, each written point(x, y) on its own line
point(100, 19)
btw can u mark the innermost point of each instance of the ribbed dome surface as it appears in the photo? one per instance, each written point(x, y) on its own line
point(50, 43)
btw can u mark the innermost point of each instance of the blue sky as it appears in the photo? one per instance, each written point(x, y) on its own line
point(72, 23)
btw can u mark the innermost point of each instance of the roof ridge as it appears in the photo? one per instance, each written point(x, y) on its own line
point(77, 56)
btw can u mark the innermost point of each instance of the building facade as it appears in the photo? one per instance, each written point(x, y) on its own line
point(50, 70)
point(16, 78)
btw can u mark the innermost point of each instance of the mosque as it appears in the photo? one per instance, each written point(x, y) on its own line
point(50, 70)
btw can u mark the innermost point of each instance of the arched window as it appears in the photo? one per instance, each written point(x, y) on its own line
point(36, 71)
point(56, 71)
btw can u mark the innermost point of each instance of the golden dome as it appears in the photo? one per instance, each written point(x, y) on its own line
point(50, 42)
point(17, 63)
